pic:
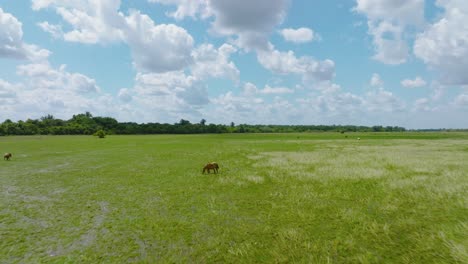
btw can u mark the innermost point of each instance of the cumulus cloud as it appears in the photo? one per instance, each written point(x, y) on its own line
point(11, 41)
point(329, 105)
point(7, 91)
point(54, 30)
point(157, 48)
point(187, 8)
point(182, 90)
point(239, 108)
point(251, 21)
point(154, 47)
point(212, 62)
point(402, 12)
point(92, 21)
point(164, 97)
point(45, 89)
point(287, 63)
point(251, 89)
point(43, 77)
point(417, 82)
point(387, 21)
point(376, 81)
point(100, 21)
point(381, 100)
point(300, 35)
point(125, 95)
point(275, 90)
point(443, 45)
point(462, 100)
point(390, 48)
point(174, 91)
point(422, 104)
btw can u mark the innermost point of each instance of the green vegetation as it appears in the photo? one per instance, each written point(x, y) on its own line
point(100, 133)
point(278, 198)
point(86, 124)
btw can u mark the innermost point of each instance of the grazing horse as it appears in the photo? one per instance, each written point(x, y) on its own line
point(7, 156)
point(211, 166)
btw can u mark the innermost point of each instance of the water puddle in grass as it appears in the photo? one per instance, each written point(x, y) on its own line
point(89, 237)
point(54, 168)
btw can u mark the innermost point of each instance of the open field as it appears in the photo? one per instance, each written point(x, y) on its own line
point(279, 198)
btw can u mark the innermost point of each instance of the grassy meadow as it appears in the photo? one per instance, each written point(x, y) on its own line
point(278, 198)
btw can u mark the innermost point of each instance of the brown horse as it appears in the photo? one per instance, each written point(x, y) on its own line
point(211, 166)
point(7, 156)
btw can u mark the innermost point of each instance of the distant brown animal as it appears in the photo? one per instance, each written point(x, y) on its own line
point(211, 166)
point(7, 156)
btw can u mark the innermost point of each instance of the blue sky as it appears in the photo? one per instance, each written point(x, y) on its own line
point(360, 62)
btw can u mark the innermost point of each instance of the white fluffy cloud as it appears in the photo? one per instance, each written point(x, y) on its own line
point(275, 90)
point(47, 90)
point(376, 81)
point(422, 104)
point(92, 21)
point(250, 90)
point(416, 82)
point(287, 63)
point(381, 100)
point(178, 93)
point(399, 11)
point(54, 30)
point(444, 45)
point(11, 40)
point(125, 95)
point(157, 48)
point(44, 77)
point(239, 108)
point(7, 91)
point(212, 62)
point(387, 21)
point(187, 89)
point(390, 48)
point(462, 100)
point(154, 47)
point(190, 8)
point(300, 35)
point(251, 21)
point(164, 97)
point(96, 21)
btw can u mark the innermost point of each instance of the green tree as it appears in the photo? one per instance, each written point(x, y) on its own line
point(100, 133)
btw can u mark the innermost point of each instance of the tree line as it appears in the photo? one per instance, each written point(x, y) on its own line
point(87, 124)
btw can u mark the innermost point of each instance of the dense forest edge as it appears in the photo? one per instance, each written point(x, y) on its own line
point(87, 124)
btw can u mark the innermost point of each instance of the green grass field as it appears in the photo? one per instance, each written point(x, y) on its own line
point(278, 198)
